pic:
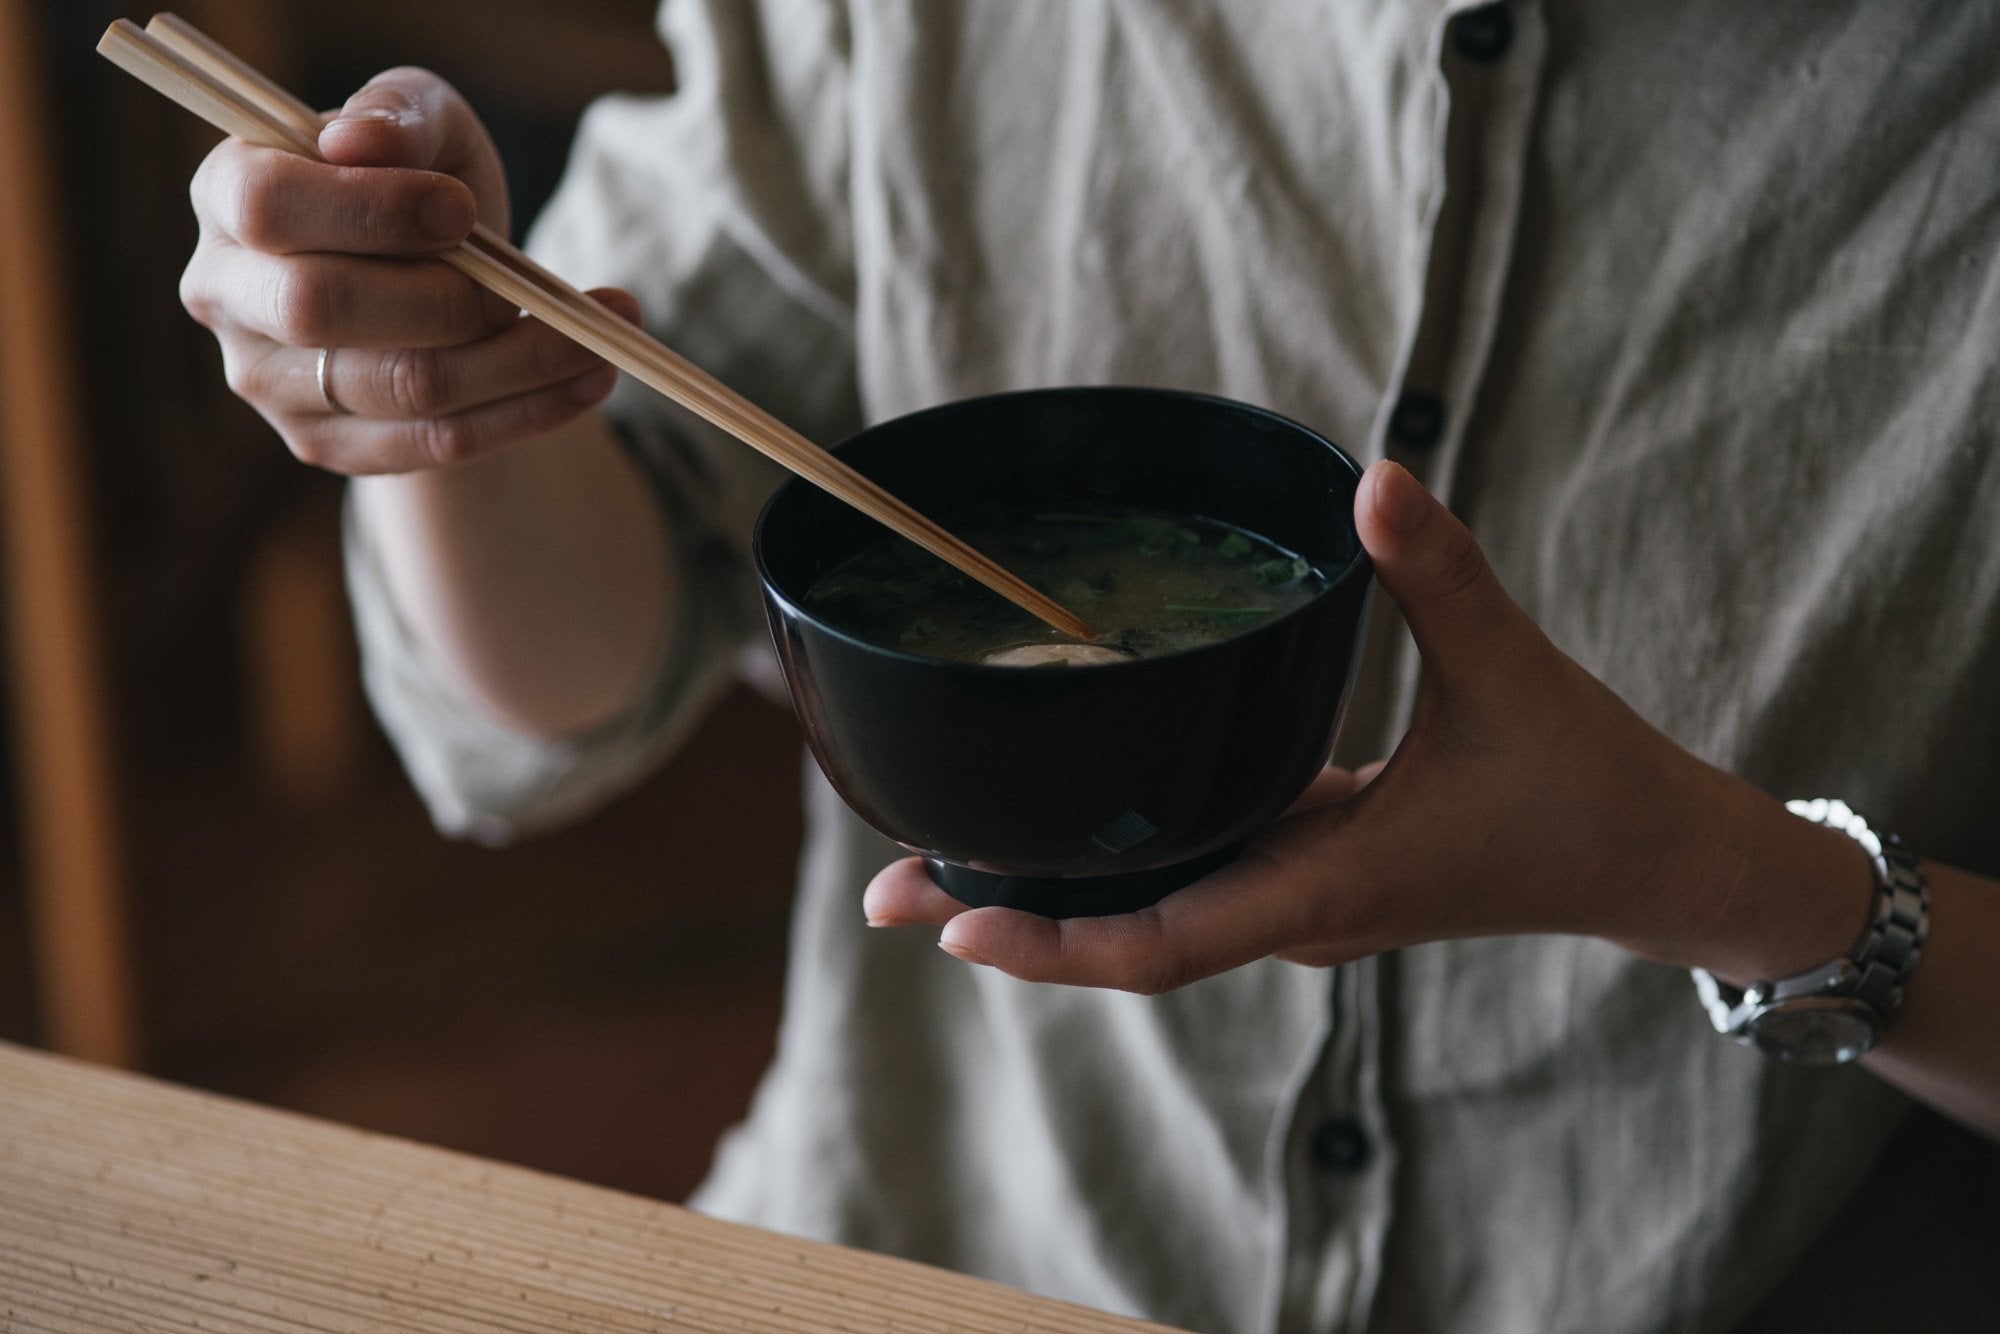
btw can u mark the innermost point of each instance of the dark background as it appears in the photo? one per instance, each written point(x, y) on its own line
point(598, 1001)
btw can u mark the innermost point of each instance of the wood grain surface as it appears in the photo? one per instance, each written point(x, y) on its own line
point(127, 1204)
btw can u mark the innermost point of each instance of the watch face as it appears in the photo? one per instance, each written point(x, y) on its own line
point(1816, 1030)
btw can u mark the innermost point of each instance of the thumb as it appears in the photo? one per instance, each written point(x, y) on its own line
point(409, 117)
point(1429, 563)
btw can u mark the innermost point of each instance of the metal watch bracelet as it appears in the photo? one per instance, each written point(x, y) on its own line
point(1834, 1012)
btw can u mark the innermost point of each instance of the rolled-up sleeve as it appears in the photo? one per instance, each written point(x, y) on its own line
point(724, 209)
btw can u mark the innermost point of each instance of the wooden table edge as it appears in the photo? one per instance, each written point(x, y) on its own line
point(130, 1203)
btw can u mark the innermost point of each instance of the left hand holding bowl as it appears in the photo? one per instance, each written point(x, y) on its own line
point(1525, 797)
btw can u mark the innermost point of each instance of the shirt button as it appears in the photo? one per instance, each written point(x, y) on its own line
point(1340, 1146)
point(1417, 420)
point(1482, 35)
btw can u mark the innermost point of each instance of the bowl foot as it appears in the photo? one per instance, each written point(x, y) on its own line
point(1074, 896)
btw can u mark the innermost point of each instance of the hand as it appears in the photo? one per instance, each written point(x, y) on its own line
point(297, 256)
point(1526, 797)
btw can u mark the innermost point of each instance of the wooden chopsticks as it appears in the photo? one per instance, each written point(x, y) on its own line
point(176, 59)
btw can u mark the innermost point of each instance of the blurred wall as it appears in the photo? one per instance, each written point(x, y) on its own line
point(597, 1001)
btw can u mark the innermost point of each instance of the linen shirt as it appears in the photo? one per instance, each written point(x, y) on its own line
point(1689, 310)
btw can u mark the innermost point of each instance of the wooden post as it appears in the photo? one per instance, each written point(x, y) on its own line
point(71, 834)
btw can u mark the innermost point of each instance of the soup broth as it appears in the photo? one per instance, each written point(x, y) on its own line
point(1148, 582)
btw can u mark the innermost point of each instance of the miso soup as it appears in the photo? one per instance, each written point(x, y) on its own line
point(1148, 582)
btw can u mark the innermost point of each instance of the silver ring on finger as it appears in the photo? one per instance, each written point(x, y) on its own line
point(324, 374)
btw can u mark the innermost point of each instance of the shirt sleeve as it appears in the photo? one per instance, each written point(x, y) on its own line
point(723, 208)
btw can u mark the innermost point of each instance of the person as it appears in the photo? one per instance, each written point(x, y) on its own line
point(1687, 312)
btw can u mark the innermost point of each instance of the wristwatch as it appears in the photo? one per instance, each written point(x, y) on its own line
point(1835, 1012)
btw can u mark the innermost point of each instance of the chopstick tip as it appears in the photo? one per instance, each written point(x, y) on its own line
point(120, 30)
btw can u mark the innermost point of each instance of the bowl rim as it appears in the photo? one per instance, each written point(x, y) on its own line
point(1359, 569)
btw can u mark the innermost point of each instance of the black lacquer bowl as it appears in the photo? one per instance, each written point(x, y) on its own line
point(1092, 789)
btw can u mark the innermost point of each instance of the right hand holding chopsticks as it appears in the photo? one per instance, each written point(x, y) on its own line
point(445, 406)
point(363, 360)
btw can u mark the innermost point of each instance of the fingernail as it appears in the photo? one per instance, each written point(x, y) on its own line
point(1400, 503)
point(357, 115)
point(961, 953)
point(446, 214)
